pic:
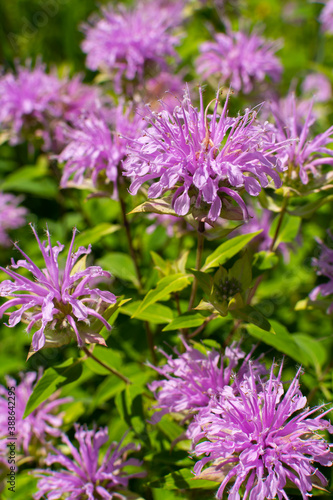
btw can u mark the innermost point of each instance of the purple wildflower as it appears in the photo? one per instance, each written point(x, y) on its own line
point(263, 241)
point(202, 158)
point(326, 17)
point(191, 379)
point(11, 215)
point(239, 60)
point(56, 301)
point(97, 147)
point(82, 476)
point(131, 42)
point(302, 155)
point(318, 85)
point(36, 428)
point(33, 103)
point(324, 265)
point(261, 438)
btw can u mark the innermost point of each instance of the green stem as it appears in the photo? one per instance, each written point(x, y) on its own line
point(278, 227)
point(111, 370)
point(149, 333)
point(201, 239)
point(129, 240)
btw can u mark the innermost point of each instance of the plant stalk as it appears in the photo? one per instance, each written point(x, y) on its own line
point(201, 239)
point(111, 370)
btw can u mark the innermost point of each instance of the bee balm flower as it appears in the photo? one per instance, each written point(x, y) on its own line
point(57, 301)
point(202, 159)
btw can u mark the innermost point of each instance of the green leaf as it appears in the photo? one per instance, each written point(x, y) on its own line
point(129, 405)
point(251, 315)
point(160, 264)
point(53, 379)
point(228, 249)
point(91, 236)
point(205, 281)
point(282, 341)
point(121, 266)
point(183, 479)
point(312, 348)
point(155, 313)
point(288, 230)
point(265, 260)
point(187, 320)
point(167, 285)
point(309, 209)
point(32, 179)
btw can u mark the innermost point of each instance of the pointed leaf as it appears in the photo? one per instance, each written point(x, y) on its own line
point(167, 285)
point(228, 249)
point(187, 320)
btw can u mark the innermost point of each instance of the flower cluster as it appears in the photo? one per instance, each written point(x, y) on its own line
point(304, 154)
point(11, 215)
point(324, 265)
point(202, 158)
point(260, 438)
point(82, 476)
point(192, 379)
point(33, 102)
point(35, 430)
point(239, 60)
point(57, 301)
point(96, 147)
point(131, 43)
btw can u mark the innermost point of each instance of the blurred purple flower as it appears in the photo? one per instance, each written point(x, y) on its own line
point(202, 158)
point(303, 154)
point(324, 265)
point(97, 146)
point(239, 60)
point(82, 476)
point(36, 429)
point(56, 301)
point(33, 103)
point(191, 379)
point(11, 215)
point(261, 438)
point(131, 42)
point(318, 86)
point(326, 17)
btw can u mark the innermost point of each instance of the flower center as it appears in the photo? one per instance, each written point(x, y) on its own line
point(226, 289)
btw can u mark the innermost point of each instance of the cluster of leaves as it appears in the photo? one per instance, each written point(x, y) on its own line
point(243, 292)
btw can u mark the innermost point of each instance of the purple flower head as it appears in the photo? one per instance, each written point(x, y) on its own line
point(58, 302)
point(326, 17)
point(96, 148)
point(239, 60)
point(317, 85)
point(131, 42)
point(324, 265)
point(11, 215)
point(202, 158)
point(35, 430)
point(84, 475)
point(303, 154)
point(191, 379)
point(33, 103)
point(261, 439)
point(25, 98)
